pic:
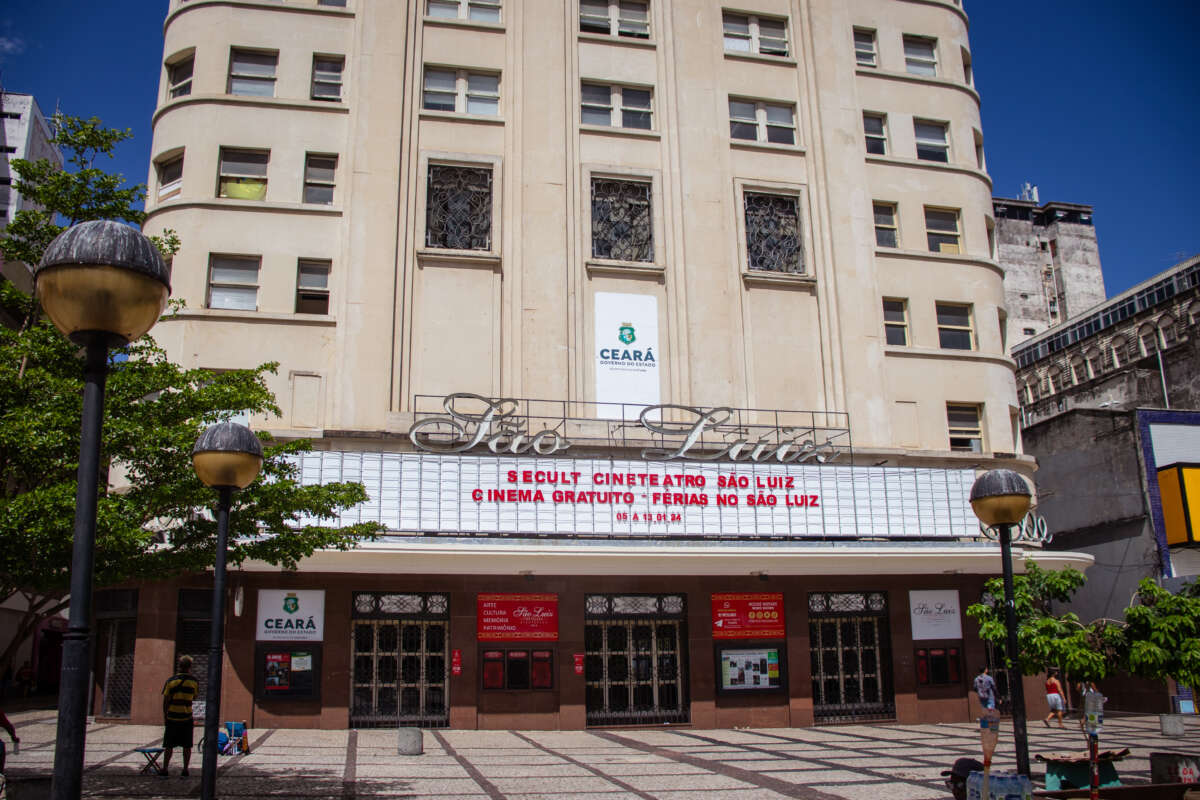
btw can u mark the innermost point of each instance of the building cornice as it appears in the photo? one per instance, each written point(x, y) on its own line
point(262, 5)
point(925, 255)
point(937, 166)
point(909, 351)
point(905, 77)
point(294, 104)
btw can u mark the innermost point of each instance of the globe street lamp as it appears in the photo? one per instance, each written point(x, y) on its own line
point(1001, 498)
point(227, 456)
point(103, 284)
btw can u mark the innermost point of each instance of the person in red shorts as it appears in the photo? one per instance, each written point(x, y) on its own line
point(178, 693)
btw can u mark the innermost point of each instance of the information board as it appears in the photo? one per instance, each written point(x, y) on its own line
point(516, 617)
point(749, 669)
point(743, 615)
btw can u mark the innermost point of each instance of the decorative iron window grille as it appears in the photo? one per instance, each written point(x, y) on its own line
point(835, 603)
point(458, 208)
point(773, 233)
point(389, 605)
point(622, 225)
point(851, 656)
point(613, 606)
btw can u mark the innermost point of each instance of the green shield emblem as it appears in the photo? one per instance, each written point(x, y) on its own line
point(626, 334)
point(290, 604)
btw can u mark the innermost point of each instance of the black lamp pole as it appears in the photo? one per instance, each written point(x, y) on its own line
point(103, 284)
point(1016, 686)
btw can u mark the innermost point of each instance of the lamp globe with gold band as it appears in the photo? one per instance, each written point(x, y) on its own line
point(1000, 497)
point(103, 277)
point(227, 455)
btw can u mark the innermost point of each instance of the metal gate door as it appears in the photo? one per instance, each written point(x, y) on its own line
point(851, 656)
point(635, 666)
point(400, 663)
point(119, 637)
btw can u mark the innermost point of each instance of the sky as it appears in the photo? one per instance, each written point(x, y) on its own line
point(1095, 103)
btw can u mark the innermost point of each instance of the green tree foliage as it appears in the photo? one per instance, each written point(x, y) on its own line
point(159, 521)
point(1158, 638)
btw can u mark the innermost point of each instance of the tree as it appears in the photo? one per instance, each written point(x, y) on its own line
point(1162, 632)
point(161, 521)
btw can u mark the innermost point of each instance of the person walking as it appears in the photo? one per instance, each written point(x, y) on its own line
point(985, 688)
point(1054, 699)
point(178, 693)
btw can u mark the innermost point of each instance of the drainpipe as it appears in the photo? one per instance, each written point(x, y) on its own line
point(1162, 376)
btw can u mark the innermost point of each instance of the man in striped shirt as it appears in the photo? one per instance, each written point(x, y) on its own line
point(178, 693)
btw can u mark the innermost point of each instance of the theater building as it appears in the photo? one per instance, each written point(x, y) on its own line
point(666, 337)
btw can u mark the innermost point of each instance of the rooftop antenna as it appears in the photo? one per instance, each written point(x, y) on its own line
point(1029, 192)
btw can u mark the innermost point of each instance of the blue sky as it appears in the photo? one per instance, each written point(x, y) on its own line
point(1093, 102)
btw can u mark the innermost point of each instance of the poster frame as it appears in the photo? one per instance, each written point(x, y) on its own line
point(722, 645)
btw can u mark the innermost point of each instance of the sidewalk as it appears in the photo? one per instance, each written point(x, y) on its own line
point(855, 762)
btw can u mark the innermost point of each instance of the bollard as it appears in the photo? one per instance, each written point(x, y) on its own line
point(409, 742)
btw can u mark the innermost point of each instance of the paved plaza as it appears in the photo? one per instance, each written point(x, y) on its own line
point(858, 762)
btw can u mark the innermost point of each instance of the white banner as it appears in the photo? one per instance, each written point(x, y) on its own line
point(291, 615)
point(935, 614)
point(627, 354)
point(608, 497)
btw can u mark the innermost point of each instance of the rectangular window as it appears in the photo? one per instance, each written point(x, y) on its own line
point(966, 432)
point(920, 55)
point(939, 666)
point(864, 48)
point(773, 241)
point(337, 3)
point(170, 177)
point(616, 106)
point(895, 321)
point(233, 282)
point(312, 286)
point(941, 230)
point(749, 33)
point(461, 91)
point(615, 17)
point(319, 172)
point(875, 129)
point(242, 174)
point(327, 77)
point(458, 208)
point(252, 73)
point(885, 225)
point(476, 10)
point(932, 140)
point(955, 331)
point(179, 78)
point(622, 220)
point(757, 121)
point(518, 669)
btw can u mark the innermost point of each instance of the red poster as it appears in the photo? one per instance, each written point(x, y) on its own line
point(279, 671)
point(748, 616)
point(516, 617)
point(579, 663)
point(456, 662)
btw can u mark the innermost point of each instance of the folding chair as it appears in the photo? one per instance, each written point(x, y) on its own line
point(151, 754)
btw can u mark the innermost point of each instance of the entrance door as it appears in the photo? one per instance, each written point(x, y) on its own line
point(635, 664)
point(851, 656)
point(399, 663)
point(118, 637)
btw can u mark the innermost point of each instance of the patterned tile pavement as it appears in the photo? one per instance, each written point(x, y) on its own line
point(851, 762)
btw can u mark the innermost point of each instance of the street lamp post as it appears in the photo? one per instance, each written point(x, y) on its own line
point(103, 284)
point(1001, 499)
point(227, 457)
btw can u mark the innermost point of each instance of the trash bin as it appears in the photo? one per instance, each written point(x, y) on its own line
point(409, 742)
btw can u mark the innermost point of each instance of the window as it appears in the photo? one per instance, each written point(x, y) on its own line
point(615, 106)
point(319, 172)
point(1148, 339)
point(1193, 313)
point(243, 174)
point(941, 230)
point(1054, 380)
point(458, 208)
point(968, 75)
point(1095, 362)
point(477, 10)
point(920, 56)
point(773, 240)
point(885, 225)
point(748, 33)
point(170, 177)
point(327, 77)
point(1117, 350)
point(1078, 370)
point(622, 220)
point(461, 91)
point(939, 666)
point(252, 73)
point(338, 3)
point(179, 78)
point(1166, 331)
point(895, 321)
point(233, 282)
point(518, 669)
point(864, 48)
point(312, 286)
point(757, 121)
point(1028, 331)
point(931, 139)
point(875, 128)
point(955, 331)
point(615, 17)
point(966, 433)
point(979, 161)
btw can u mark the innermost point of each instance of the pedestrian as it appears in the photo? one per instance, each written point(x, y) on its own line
point(178, 693)
point(12, 733)
point(25, 680)
point(1055, 699)
point(985, 687)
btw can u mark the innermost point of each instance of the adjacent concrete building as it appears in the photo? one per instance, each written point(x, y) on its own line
point(734, 270)
point(24, 133)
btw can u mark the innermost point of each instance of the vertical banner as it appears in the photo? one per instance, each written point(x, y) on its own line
point(627, 353)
